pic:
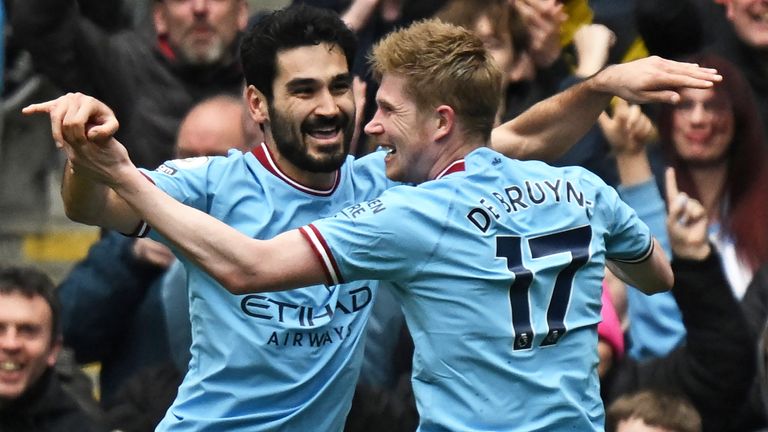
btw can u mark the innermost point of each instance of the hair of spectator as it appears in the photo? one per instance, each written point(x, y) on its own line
point(655, 409)
point(293, 27)
point(503, 17)
point(31, 282)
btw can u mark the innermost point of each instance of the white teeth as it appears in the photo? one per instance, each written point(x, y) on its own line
point(9, 366)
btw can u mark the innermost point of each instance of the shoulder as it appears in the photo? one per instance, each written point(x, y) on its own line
point(192, 165)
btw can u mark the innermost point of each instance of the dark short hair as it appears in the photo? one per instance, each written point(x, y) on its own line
point(292, 27)
point(31, 282)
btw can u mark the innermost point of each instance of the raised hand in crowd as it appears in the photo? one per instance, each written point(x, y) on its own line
point(686, 222)
point(543, 19)
point(628, 131)
point(592, 43)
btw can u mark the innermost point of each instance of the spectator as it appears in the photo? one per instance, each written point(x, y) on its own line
point(716, 143)
point(31, 396)
point(649, 411)
point(700, 371)
point(152, 80)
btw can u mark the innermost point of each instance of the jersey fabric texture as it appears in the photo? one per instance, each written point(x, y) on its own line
point(498, 264)
point(283, 361)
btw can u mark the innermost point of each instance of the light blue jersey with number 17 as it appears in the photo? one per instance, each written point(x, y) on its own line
point(498, 264)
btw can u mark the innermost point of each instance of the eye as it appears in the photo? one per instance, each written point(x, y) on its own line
point(685, 105)
point(29, 331)
point(341, 87)
point(302, 91)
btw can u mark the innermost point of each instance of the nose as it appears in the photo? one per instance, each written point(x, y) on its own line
point(199, 7)
point(374, 126)
point(9, 340)
point(698, 113)
point(326, 105)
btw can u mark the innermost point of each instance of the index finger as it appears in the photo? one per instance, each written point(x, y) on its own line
point(671, 186)
point(43, 107)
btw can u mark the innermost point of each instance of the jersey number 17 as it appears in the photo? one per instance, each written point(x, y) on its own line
point(576, 241)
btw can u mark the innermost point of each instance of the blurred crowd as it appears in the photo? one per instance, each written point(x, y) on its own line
point(693, 359)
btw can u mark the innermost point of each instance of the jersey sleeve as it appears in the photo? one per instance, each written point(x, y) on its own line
point(628, 238)
point(385, 239)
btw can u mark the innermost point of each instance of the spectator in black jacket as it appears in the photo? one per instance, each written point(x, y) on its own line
point(32, 398)
point(715, 366)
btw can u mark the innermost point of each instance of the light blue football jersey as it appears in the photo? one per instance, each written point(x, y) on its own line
point(498, 264)
point(283, 361)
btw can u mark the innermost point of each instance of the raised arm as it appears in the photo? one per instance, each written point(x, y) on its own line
point(86, 199)
point(549, 128)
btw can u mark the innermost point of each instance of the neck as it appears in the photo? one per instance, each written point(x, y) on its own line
point(452, 154)
point(710, 184)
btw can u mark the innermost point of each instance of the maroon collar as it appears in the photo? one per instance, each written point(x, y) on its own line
point(455, 166)
point(264, 156)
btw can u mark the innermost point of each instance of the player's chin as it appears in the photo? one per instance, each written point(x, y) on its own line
point(393, 172)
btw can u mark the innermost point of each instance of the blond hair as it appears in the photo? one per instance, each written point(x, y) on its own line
point(443, 64)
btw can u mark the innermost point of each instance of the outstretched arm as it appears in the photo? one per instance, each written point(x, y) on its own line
point(549, 128)
point(103, 172)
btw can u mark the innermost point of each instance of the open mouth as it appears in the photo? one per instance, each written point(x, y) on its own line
point(9, 366)
point(389, 149)
point(324, 133)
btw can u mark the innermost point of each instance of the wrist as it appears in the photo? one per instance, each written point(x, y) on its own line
point(633, 168)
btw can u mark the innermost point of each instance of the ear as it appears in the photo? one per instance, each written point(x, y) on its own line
point(242, 15)
point(445, 118)
point(53, 355)
point(158, 17)
point(257, 105)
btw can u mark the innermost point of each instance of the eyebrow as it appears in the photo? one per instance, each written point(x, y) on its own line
point(300, 82)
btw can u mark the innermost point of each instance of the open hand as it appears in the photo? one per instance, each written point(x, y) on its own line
point(653, 79)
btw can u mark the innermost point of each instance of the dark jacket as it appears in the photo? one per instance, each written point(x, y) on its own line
point(112, 312)
point(716, 365)
point(130, 71)
point(45, 407)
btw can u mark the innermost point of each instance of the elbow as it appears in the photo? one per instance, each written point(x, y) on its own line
point(239, 283)
point(662, 284)
point(76, 214)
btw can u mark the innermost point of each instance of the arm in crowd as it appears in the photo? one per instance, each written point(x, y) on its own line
point(657, 326)
point(101, 293)
point(717, 333)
